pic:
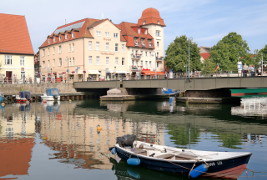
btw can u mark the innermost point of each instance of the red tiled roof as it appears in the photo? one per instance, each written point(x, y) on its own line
point(78, 28)
point(205, 55)
point(14, 35)
point(151, 16)
point(131, 31)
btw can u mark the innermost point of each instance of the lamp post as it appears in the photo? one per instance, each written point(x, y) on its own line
point(188, 67)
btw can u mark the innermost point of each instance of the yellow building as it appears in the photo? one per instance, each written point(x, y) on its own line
point(16, 52)
point(93, 49)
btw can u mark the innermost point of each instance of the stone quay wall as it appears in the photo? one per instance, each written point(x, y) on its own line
point(13, 89)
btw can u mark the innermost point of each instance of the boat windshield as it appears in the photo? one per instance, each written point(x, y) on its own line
point(52, 92)
point(25, 94)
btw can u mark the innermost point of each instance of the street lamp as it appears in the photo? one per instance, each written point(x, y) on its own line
point(188, 68)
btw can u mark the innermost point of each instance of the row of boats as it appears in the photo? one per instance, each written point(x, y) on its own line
point(50, 94)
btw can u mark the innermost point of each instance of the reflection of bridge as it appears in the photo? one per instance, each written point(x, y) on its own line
point(179, 84)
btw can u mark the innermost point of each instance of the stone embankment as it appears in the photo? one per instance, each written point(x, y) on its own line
point(36, 89)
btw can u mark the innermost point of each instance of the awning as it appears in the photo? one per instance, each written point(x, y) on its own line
point(152, 73)
point(93, 72)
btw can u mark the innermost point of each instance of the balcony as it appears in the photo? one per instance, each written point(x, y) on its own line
point(136, 68)
point(159, 58)
point(136, 56)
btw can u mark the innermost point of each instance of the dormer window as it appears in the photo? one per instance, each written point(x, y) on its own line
point(144, 22)
point(72, 35)
point(143, 42)
point(54, 39)
point(139, 30)
point(59, 38)
point(48, 40)
point(158, 22)
point(136, 41)
point(66, 36)
point(149, 44)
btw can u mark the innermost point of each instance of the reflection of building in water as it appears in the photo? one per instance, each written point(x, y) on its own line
point(79, 140)
point(16, 141)
point(251, 107)
point(117, 106)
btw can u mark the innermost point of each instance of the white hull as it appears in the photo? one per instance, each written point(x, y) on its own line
point(50, 98)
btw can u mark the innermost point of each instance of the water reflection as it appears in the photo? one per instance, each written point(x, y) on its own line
point(71, 132)
point(255, 106)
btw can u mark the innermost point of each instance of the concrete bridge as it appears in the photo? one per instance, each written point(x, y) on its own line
point(182, 84)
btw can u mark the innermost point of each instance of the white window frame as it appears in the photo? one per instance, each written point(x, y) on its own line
point(107, 34)
point(59, 49)
point(90, 60)
point(97, 45)
point(157, 33)
point(60, 62)
point(116, 35)
point(107, 60)
point(8, 60)
point(107, 46)
point(90, 45)
point(97, 61)
point(116, 60)
point(98, 33)
point(22, 60)
point(116, 47)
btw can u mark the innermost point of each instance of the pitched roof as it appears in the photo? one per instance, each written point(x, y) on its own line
point(205, 55)
point(78, 28)
point(131, 31)
point(14, 35)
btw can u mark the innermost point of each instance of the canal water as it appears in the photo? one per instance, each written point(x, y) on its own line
point(70, 140)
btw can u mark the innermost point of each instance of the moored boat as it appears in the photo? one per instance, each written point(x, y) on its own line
point(51, 94)
point(2, 98)
point(23, 97)
point(251, 92)
point(195, 163)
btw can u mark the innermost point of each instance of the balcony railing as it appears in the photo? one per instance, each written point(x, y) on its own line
point(136, 56)
point(136, 68)
point(159, 58)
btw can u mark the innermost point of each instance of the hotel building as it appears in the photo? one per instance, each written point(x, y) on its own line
point(93, 49)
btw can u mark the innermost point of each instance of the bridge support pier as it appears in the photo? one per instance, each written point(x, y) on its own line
point(217, 96)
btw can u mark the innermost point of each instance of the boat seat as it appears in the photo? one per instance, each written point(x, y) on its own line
point(185, 157)
point(165, 156)
point(139, 151)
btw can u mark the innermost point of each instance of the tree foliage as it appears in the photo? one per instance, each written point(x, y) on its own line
point(228, 51)
point(262, 54)
point(177, 55)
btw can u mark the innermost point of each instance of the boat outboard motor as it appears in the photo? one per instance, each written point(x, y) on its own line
point(55, 97)
point(126, 140)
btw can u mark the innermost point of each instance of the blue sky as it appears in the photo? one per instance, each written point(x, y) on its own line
point(205, 21)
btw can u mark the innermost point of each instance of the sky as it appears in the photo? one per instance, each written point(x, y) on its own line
point(204, 21)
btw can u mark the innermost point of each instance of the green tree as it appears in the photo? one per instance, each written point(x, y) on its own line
point(208, 67)
point(177, 55)
point(261, 55)
point(228, 51)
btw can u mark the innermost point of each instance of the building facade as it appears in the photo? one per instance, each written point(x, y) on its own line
point(93, 49)
point(16, 52)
